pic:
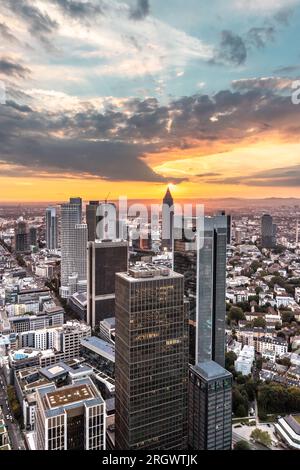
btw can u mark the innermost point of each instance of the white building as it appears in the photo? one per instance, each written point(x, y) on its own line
point(245, 360)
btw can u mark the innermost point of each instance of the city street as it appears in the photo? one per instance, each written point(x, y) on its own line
point(15, 435)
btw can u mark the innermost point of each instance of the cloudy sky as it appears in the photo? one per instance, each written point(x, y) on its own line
point(127, 96)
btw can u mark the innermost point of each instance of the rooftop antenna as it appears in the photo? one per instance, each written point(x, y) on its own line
point(106, 199)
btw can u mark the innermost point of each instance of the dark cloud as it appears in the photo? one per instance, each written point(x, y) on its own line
point(259, 37)
point(113, 144)
point(232, 49)
point(10, 68)
point(206, 175)
point(141, 10)
point(263, 83)
point(79, 9)
point(287, 69)
point(277, 177)
point(283, 16)
point(7, 34)
point(40, 25)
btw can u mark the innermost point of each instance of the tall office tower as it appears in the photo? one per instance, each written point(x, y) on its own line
point(167, 221)
point(21, 237)
point(202, 261)
point(70, 418)
point(91, 219)
point(151, 360)
point(107, 221)
point(268, 232)
point(32, 236)
point(297, 232)
point(210, 407)
point(229, 226)
point(51, 228)
point(105, 259)
point(73, 244)
point(77, 201)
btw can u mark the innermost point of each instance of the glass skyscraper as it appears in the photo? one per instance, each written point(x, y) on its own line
point(151, 360)
point(202, 261)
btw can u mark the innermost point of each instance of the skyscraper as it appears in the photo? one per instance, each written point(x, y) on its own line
point(91, 219)
point(73, 244)
point(167, 220)
point(268, 232)
point(51, 228)
point(229, 226)
point(151, 360)
point(105, 259)
point(202, 261)
point(210, 407)
point(70, 418)
point(21, 236)
point(32, 240)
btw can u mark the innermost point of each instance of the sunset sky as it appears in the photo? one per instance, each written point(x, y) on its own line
point(126, 96)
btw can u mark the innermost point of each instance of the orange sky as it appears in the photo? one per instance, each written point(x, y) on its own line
point(245, 160)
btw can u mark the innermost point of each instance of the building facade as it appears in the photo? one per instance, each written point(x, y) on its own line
point(151, 360)
point(105, 259)
point(210, 407)
point(70, 418)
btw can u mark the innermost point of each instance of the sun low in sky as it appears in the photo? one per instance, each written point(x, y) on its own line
point(130, 96)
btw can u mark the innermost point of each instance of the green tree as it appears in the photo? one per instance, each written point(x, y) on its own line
point(259, 322)
point(242, 445)
point(241, 411)
point(230, 358)
point(236, 314)
point(262, 436)
point(287, 316)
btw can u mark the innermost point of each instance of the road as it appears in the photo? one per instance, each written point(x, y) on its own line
point(15, 435)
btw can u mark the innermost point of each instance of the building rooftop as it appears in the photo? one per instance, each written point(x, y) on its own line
point(69, 395)
point(99, 346)
point(142, 271)
point(211, 370)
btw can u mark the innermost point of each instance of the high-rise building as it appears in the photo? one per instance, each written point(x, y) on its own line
point(21, 237)
point(229, 226)
point(105, 259)
point(73, 244)
point(167, 220)
point(32, 236)
point(77, 201)
point(91, 219)
point(210, 407)
point(151, 360)
point(51, 228)
point(202, 261)
point(268, 232)
point(70, 418)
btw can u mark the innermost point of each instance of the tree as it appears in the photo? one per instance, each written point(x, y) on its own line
point(236, 314)
point(242, 445)
point(287, 316)
point(230, 358)
point(241, 411)
point(259, 322)
point(262, 436)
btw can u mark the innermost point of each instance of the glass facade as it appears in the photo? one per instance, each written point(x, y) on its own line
point(210, 409)
point(151, 363)
point(204, 271)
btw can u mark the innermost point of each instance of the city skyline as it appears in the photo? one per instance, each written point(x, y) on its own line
point(128, 96)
